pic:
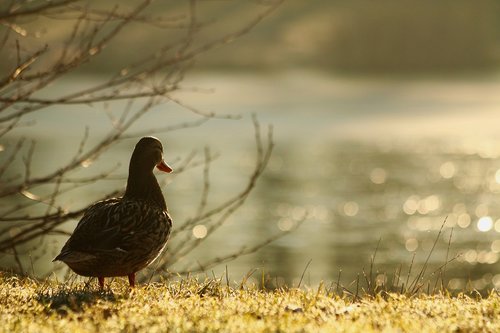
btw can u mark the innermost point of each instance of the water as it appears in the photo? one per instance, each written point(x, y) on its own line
point(368, 162)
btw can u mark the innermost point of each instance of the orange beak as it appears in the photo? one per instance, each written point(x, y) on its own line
point(164, 167)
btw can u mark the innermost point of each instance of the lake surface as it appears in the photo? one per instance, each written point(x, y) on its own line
point(366, 161)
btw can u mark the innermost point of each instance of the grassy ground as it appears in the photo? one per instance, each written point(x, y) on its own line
point(210, 306)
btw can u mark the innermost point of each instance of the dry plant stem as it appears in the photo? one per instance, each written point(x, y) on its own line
point(206, 183)
point(18, 261)
point(443, 281)
point(372, 261)
point(406, 284)
point(357, 289)
point(370, 283)
point(415, 286)
point(338, 281)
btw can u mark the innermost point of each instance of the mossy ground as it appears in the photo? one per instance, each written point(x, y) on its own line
point(189, 305)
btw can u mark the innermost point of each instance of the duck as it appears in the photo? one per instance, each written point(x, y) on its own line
point(121, 236)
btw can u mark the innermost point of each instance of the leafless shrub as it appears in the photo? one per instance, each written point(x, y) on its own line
point(33, 63)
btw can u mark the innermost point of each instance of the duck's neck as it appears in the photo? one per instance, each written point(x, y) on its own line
point(142, 185)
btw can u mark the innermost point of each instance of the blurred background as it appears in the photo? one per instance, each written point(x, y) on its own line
point(386, 118)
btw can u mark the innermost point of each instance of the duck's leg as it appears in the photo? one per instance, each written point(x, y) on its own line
point(131, 279)
point(101, 281)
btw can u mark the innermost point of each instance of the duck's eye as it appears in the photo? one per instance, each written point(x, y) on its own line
point(157, 147)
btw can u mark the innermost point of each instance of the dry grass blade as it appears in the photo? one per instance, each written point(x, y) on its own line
point(415, 286)
point(303, 273)
point(42, 306)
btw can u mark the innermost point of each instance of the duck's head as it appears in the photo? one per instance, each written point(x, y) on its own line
point(148, 153)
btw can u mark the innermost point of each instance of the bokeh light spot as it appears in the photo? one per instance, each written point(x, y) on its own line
point(432, 202)
point(381, 280)
point(463, 220)
point(495, 246)
point(485, 224)
point(456, 284)
point(447, 170)
point(200, 231)
point(471, 256)
point(351, 208)
point(482, 210)
point(411, 204)
point(411, 244)
point(497, 176)
point(378, 176)
point(497, 225)
point(285, 224)
point(298, 213)
point(496, 281)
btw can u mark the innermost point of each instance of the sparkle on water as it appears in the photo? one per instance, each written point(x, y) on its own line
point(378, 176)
point(350, 191)
point(447, 170)
point(351, 208)
point(485, 224)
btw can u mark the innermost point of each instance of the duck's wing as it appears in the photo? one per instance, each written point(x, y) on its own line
point(111, 228)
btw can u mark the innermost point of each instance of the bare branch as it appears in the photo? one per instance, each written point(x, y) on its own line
point(8, 161)
point(206, 183)
point(35, 200)
point(167, 129)
point(35, 10)
point(20, 68)
point(27, 162)
point(18, 261)
point(244, 250)
point(219, 214)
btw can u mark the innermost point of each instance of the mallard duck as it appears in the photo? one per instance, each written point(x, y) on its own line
point(120, 236)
